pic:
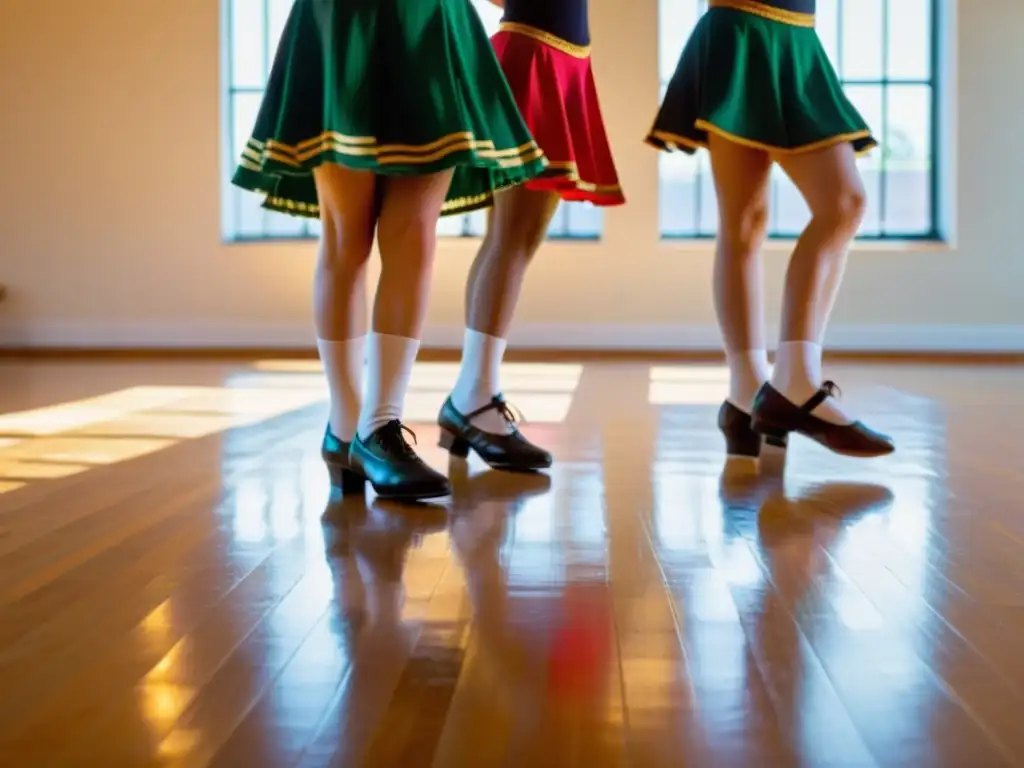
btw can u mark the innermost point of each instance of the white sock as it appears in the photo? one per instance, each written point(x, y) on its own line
point(748, 370)
point(389, 363)
point(478, 380)
point(797, 376)
point(343, 363)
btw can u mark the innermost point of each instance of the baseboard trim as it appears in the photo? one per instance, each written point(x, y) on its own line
point(647, 340)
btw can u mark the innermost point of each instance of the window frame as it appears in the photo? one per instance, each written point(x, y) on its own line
point(231, 228)
point(936, 231)
point(940, 164)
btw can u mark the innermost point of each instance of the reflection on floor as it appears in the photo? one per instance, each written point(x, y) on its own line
point(178, 586)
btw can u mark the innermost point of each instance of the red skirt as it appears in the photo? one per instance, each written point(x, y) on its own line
point(553, 84)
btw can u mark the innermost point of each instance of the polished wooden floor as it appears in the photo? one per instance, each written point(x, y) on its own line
point(178, 587)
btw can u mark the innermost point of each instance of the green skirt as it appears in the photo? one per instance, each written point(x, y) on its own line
point(396, 87)
point(759, 82)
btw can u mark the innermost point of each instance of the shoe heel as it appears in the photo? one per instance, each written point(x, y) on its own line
point(742, 446)
point(454, 444)
point(776, 438)
point(741, 440)
point(346, 480)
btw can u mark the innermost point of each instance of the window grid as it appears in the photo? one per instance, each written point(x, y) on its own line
point(886, 86)
point(247, 222)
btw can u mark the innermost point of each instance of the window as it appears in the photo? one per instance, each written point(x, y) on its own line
point(884, 52)
point(252, 29)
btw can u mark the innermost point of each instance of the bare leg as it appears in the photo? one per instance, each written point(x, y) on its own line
point(407, 228)
point(339, 288)
point(407, 233)
point(517, 226)
point(741, 181)
point(830, 183)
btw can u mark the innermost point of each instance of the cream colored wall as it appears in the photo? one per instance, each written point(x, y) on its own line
point(110, 189)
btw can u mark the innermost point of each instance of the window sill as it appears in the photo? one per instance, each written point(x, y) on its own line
point(786, 245)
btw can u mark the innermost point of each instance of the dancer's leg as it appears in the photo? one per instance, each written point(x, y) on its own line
point(798, 399)
point(741, 177)
point(407, 237)
point(339, 288)
point(517, 226)
point(830, 183)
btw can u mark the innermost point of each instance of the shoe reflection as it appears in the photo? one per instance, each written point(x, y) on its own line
point(763, 499)
point(367, 546)
point(511, 489)
point(822, 508)
point(541, 651)
point(802, 606)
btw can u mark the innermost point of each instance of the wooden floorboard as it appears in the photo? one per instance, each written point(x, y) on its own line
point(178, 587)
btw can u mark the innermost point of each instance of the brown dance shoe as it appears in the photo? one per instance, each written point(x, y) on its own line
point(741, 439)
point(775, 417)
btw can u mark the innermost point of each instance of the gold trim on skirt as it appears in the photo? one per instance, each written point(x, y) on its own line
point(766, 11)
point(576, 51)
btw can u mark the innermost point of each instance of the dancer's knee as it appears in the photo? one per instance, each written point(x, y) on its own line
point(839, 218)
point(742, 234)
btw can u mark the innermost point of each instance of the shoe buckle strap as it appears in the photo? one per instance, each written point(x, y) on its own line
point(828, 389)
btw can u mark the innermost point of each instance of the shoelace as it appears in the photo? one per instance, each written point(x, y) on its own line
point(509, 412)
point(392, 439)
point(506, 410)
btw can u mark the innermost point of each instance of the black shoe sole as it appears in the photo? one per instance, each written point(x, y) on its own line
point(401, 494)
point(460, 448)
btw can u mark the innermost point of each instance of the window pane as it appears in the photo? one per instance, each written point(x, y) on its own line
point(559, 226)
point(910, 39)
point(908, 153)
point(707, 203)
point(789, 211)
point(677, 198)
point(826, 24)
point(280, 225)
point(245, 106)
point(476, 224)
point(278, 11)
point(676, 19)
point(249, 213)
point(861, 34)
point(247, 60)
point(577, 220)
point(450, 226)
point(490, 15)
point(868, 101)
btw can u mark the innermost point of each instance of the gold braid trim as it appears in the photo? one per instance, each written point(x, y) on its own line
point(576, 51)
point(257, 152)
point(766, 11)
point(672, 142)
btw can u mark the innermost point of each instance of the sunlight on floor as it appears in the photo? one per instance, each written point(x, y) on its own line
point(542, 391)
point(70, 438)
point(688, 385)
